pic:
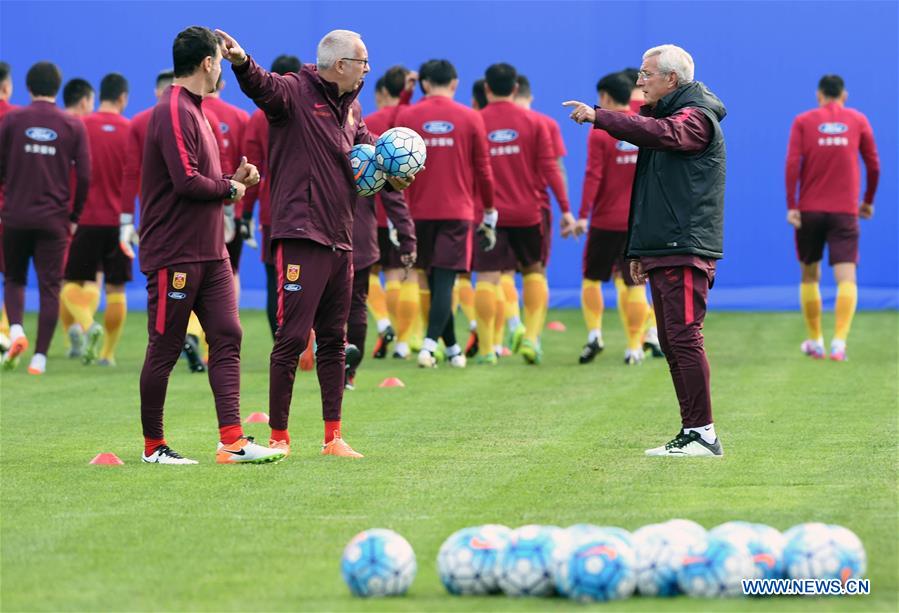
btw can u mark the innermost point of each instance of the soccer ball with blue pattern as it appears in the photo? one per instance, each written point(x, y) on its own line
point(378, 562)
point(526, 562)
point(468, 560)
point(764, 543)
point(400, 152)
point(660, 553)
point(716, 569)
point(601, 567)
point(820, 551)
point(369, 178)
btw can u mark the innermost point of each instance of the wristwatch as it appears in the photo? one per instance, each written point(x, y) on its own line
point(232, 195)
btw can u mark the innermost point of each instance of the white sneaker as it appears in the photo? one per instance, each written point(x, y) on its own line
point(688, 444)
point(93, 342)
point(651, 343)
point(76, 340)
point(633, 356)
point(38, 365)
point(245, 451)
point(458, 361)
point(426, 359)
point(813, 348)
point(165, 455)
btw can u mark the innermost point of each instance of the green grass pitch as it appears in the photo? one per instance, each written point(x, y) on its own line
point(558, 444)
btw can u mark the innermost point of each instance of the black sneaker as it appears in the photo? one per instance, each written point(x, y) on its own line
point(590, 351)
point(384, 339)
point(192, 353)
point(472, 346)
point(353, 356)
point(686, 444)
point(165, 455)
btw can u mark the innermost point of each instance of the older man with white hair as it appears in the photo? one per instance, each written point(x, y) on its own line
point(676, 224)
point(314, 121)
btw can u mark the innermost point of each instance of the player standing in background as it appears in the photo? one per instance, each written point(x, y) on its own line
point(313, 196)
point(183, 252)
point(78, 97)
point(5, 107)
point(39, 144)
point(442, 201)
point(95, 246)
point(256, 150)
point(822, 161)
point(605, 204)
point(523, 160)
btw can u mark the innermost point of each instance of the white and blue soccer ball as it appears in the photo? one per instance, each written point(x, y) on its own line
point(400, 152)
point(468, 561)
point(526, 563)
point(378, 562)
point(660, 553)
point(765, 544)
point(369, 178)
point(599, 567)
point(716, 569)
point(686, 528)
point(821, 551)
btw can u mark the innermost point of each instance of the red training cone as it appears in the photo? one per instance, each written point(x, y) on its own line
point(106, 458)
point(392, 382)
point(556, 326)
point(256, 418)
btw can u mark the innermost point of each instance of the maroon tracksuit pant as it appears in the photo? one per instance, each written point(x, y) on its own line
point(357, 322)
point(679, 297)
point(48, 249)
point(207, 288)
point(314, 284)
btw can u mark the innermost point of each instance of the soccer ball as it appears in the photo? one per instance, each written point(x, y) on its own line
point(527, 560)
point(687, 528)
point(819, 551)
point(369, 178)
point(716, 569)
point(600, 567)
point(467, 561)
point(378, 562)
point(660, 553)
point(764, 543)
point(400, 152)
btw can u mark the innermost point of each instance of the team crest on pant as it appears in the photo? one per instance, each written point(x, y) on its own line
point(179, 280)
point(293, 272)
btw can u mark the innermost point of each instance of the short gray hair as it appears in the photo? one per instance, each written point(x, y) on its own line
point(673, 59)
point(336, 44)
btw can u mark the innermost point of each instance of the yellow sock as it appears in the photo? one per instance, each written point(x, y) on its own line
point(636, 316)
point(844, 310)
point(407, 310)
point(485, 308)
point(810, 298)
point(513, 311)
point(535, 300)
point(454, 304)
point(500, 318)
point(114, 322)
point(92, 291)
point(194, 327)
point(621, 293)
point(424, 305)
point(392, 297)
point(650, 319)
point(467, 297)
point(4, 323)
point(78, 303)
point(377, 299)
point(592, 304)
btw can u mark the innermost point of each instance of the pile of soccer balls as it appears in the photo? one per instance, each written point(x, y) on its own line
point(399, 152)
point(590, 563)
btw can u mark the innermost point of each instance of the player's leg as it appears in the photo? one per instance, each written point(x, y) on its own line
point(595, 268)
point(18, 249)
point(636, 310)
point(842, 241)
point(49, 259)
point(485, 307)
point(117, 270)
point(684, 292)
point(440, 281)
point(452, 251)
point(407, 314)
point(527, 244)
point(466, 291)
point(810, 239)
point(357, 321)
point(377, 299)
point(499, 321)
point(513, 308)
point(271, 280)
point(387, 328)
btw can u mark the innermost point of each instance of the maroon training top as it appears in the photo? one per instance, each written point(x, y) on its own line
point(182, 185)
point(39, 143)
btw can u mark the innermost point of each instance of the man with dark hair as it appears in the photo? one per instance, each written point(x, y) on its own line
point(442, 202)
point(95, 246)
point(523, 160)
point(676, 223)
point(313, 197)
point(822, 165)
point(5, 107)
point(183, 252)
point(78, 97)
point(478, 95)
point(256, 150)
point(39, 145)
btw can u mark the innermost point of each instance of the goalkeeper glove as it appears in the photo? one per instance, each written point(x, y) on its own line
point(127, 234)
point(487, 231)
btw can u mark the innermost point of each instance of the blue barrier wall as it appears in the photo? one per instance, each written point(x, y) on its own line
point(762, 58)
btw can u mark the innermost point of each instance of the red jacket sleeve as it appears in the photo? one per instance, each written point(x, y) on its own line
point(269, 91)
point(483, 171)
point(868, 149)
point(794, 164)
point(548, 164)
point(131, 171)
point(180, 142)
point(398, 212)
point(687, 130)
point(254, 149)
point(593, 174)
point(82, 170)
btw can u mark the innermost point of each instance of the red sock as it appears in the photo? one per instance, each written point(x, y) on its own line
point(332, 430)
point(230, 433)
point(280, 435)
point(150, 445)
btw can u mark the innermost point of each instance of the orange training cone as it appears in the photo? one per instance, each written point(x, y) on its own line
point(106, 458)
point(556, 326)
point(392, 382)
point(256, 418)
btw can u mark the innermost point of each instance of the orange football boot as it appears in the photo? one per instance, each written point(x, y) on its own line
point(340, 448)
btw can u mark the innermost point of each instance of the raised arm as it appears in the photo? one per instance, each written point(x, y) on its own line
point(267, 90)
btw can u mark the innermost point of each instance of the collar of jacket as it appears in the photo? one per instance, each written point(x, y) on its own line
point(694, 93)
point(330, 91)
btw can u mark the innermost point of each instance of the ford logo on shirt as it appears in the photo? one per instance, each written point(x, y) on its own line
point(223, 127)
point(41, 134)
point(502, 136)
point(833, 127)
point(177, 295)
point(293, 287)
point(623, 145)
point(108, 127)
point(438, 127)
